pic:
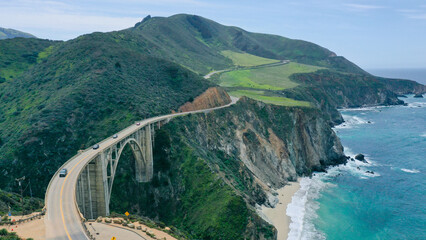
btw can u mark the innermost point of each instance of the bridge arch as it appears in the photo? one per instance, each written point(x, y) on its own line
point(95, 181)
point(141, 164)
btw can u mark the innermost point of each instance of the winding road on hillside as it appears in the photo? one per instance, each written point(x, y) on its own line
point(244, 68)
point(63, 218)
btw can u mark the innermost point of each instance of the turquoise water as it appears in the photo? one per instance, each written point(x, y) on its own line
point(347, 202)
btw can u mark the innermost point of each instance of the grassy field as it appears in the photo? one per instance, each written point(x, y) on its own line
point(260, 96)
point(247, 60)
point(270, 78)
point(244, 78)
point(274, 78)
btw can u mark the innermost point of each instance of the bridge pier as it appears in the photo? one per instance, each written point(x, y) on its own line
point(94, 184)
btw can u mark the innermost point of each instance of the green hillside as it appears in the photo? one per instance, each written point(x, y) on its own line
point(272, 78)
point(12, 33)
point(198, 44)
point(247, 60)
point(269, 97)
point(78, 93)
point(18, 55)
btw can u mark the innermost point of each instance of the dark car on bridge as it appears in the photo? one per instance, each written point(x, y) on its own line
point(63, 172)
point(96, 146)
point(115, 136)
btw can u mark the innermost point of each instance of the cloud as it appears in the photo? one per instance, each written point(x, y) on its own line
point(362, 7)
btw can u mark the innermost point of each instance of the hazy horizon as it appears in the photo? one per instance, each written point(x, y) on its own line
point(415, 74)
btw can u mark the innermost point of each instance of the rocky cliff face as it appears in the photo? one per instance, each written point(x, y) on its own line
point(329, 90)
point(275, 143)
point(400, 86)
point(229, 160)
point(212, 97)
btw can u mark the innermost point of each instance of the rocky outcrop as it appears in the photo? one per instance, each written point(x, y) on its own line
point(418, 95)
point(276, 144)
point(212, 97)
point(400, 86)
point(211, 170)
point(329, 90)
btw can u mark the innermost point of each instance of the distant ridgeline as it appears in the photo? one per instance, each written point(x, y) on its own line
point(58, 97)
point(12, 33)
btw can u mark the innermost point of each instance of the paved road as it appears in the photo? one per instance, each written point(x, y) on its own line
point(107, 232)
point(250, 67)
point(62, 219)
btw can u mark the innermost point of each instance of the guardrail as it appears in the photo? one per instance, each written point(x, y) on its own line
point(43, 212)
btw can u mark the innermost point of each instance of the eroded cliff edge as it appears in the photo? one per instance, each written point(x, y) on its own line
point(212, 169)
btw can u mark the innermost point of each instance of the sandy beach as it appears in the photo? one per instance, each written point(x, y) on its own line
point(277, 216)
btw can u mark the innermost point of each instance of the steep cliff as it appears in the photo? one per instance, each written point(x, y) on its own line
point(330, 90)
point(212, 169)
point(401, 86)
point(212, 97)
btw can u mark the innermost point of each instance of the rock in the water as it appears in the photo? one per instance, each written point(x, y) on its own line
point(418, 95)
point(370, 172)
point(360, 157)
point(401, 96)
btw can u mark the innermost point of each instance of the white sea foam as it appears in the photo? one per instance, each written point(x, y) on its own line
point(302, 209)
point(416, 104)
point(410, 170)
point(303, 206)
point(372, 108)
point(351, 121)
point(423, 135)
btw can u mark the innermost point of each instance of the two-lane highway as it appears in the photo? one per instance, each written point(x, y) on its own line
point(63, 219)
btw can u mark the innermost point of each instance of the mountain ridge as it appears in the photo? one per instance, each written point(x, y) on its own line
point(6, 33)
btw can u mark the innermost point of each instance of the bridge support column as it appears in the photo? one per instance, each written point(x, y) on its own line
point(92, 189)
point(144, 160)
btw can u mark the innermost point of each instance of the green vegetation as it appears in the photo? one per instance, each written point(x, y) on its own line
point(273, 79)
point(270, 78)
point(13, 200)
point(44, 54)
point(260, 96)
point(18, 55)
point(243, 78)
point(198, 44)
point(329, 90)
point(5, 235)
point(247, 60)
point(206, 207)
point(76, 96)
point(12, 33)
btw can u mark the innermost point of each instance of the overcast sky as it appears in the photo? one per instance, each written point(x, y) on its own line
point(371, 33)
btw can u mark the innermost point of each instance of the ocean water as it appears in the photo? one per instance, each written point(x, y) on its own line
point(416, 74)
point(348, 203)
